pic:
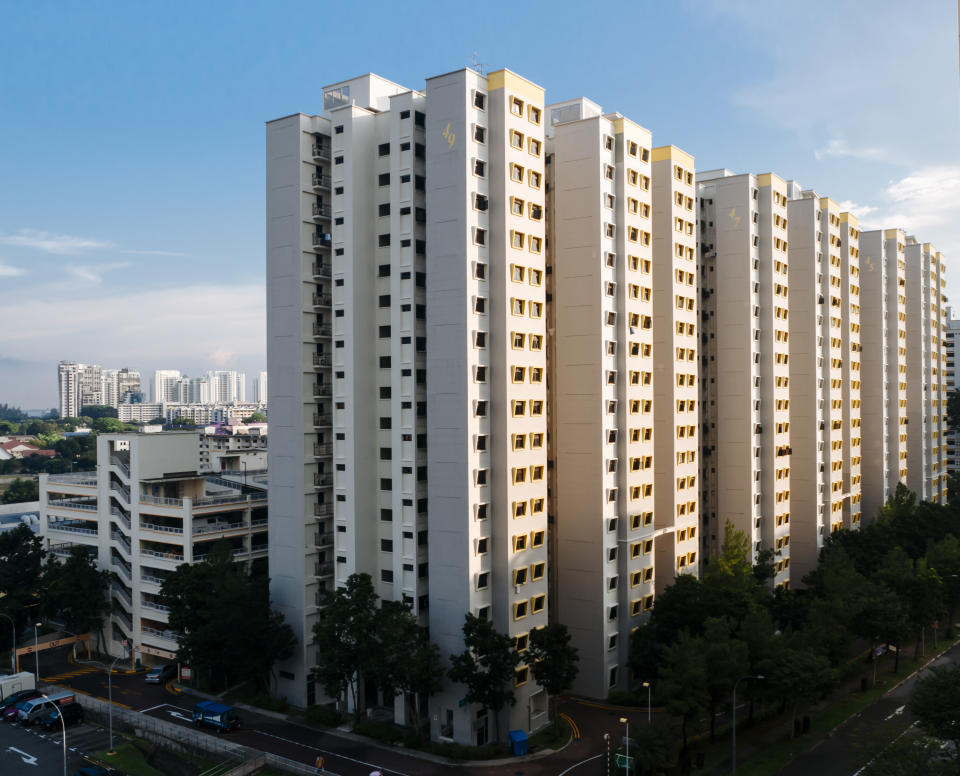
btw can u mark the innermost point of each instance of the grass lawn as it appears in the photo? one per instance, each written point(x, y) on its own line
point(130, 760)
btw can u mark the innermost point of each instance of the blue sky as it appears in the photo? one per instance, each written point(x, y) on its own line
point(131, 137)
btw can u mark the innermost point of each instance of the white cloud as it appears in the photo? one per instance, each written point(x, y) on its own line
point(839, 147)
point(49, 242)
point(8, 271)
point(864, 213)
point(93, 273)
point(152, 253)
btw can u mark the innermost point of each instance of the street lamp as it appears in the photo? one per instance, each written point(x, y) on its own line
point(626, 722)
point(742, 678)
point(36, 652)
point(647, 685)
point(13, 641)
point(110, 696)
point(63, 725)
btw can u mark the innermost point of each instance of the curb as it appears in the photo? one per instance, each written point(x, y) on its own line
point(921, 668)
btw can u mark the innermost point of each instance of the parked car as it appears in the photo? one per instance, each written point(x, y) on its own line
point(216, 715)
point(33, 711)
point(161, 674)
point(11, 713)
point(12, 700)
point(72, 712)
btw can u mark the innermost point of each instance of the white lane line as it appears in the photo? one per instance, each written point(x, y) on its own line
point(164, 706)
point(332, 754)
point(582, 762)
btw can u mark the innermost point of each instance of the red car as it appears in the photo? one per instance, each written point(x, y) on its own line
point(11, 705)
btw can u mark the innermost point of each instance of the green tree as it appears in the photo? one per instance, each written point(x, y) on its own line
point(727, 659)
point(486, 667)
point(21, 490)
point(228, 630)
point(257, 417)
point(882, 619)
point(345, 637)
point(111, 426)
point(944, 558)
point(553, 661)
point(75, 591)
point(683, 681)
point(97, 411)
point(21, 561)
point(797, 677)
point(10, 413)
point(655, 749)
point(935, 703)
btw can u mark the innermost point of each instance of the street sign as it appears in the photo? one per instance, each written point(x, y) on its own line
point(625, 762)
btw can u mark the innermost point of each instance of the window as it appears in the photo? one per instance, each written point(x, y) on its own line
point(482, 545)
point(479, 133)
point(538, 602)
point(536, 538)
point(537, 570)
point(516, 106)
point(383, 149)
point(479, 100)
point(479, 168)
point(480, 202)
point(483, 580)
point(479, 236)
point(533, 114)
point(520, 576)
point(516, 172)
point(533, 146)
point(383, 179)
point(516, 139)
point(535, 179)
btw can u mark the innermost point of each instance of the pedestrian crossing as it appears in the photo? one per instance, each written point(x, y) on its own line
point(71, 674)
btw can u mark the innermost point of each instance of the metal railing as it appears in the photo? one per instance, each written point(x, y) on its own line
point(322, 330)
point(324, 570)
point(322, 420)
point(322, 450)
point(123, 540)
point(123, 518)
point(322, 389)
point(121, 489)
point(161, 528)
point(206, 528)
point(323, 510)
point(322, 480)
point(322, 300)
point(78, 478)
point(73, 527)
point(154, 605)
point(320, 151)
point(322, 269)
point(163, 555)
point(67, 504)
point(124, 617)
point(321, 211)
point(169, 635)
point(150, 579)
point(120, 465)
point(125, 567)
point(123, 594)
point(320, 181)
point(322, 359)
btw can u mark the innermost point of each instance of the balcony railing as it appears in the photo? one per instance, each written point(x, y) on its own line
point(205, 528)
point(161, 528)
point(322, 389)
point(320, 181)
point(116, 512)
point(151, 580)
point(125, 567)
point(73, 527)
point(123, 594)
point(324, 570)
point(67, 504)
point(322, 269)
point(154, 605)
point(322, 359)
point(323, 510)
point(80, 478)
point(322, 451)
point(320, 151)
point(322, 300)
point(169, 635)
point(121, 489)
point(322, 330)
point(321, 240)
point(164, 555)
point(322, 420)
point(120, 465)
point(323, 540)
point(123, 540)
point(323, 480)
point(321, 211)
point(124, 617)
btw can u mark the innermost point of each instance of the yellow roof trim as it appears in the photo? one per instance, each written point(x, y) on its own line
point(505, 79)
point(768, 179)
point(673, 153)
point(828, 203)
point(851, 219)
point(892, 233)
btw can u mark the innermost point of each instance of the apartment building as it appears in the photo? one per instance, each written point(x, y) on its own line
point(147, 509)
point(745, 369)
point(676, 367)
point(163, 385)
point(260, 388)
point(200, 414)
point(951, 381)
point(236, 450)
point(84, 385)
point(926, 367)
point(600, 261)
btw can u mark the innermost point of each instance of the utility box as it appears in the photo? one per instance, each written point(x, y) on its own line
point(518, 742)
point(15, 683)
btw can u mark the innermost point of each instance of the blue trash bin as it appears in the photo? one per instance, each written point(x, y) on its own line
point(518, 742)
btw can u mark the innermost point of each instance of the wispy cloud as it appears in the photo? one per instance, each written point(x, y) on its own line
point(840, 147)
point(864, 213)
point(8, 271)
point(152, 253)
point(48, 242)
point(93, 273)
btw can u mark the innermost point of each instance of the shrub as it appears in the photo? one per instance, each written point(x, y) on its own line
point(324, 715)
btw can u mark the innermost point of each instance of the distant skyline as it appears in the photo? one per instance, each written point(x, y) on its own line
point(131, 151)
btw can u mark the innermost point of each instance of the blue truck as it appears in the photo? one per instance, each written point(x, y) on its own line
point(221, 718)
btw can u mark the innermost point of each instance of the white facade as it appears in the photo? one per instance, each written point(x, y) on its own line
point(146, 510)
point(85, 385)
point(260, 388)
point(164, 385)
point(951, 381)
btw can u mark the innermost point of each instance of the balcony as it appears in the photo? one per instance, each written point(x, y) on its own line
point(324, 570)
point(169, 635)
point(322, 330)
point(150, 604)
point(171, 556)
point(320, 151)
point(322, 389)
point(320, 181)
point(323, 541)
point(322, 359)
point(321, 211)
point(323, 480)
point(87, 506)
point(322, 269)
point(80, 478)
point(144, 526)
point(322, 300)
point(73, 526)
point(323, 510)
point(322, 420)
point(322, 240)
point(322, 451)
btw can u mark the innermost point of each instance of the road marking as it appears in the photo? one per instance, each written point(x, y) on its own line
point(164, 706)
point(896, 712)
point(582, 762)
point(331, 754)
point(29, 759)
point(573, 725)
point(178, 715)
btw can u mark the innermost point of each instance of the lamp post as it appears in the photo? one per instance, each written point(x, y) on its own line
point(626, 722)
point(63, 725)
point(36, 652)
point(734, 726)
point(13, 642)
point(647, 685)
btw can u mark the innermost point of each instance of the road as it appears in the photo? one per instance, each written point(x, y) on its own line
point(859, 739)
point(37, 753)
point(585, 756)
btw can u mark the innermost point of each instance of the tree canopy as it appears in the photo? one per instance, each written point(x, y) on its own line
point(21, 490)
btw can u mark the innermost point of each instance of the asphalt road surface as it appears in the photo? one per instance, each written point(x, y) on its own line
point(38, 753)
point(862, 737)
point(585, 756)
